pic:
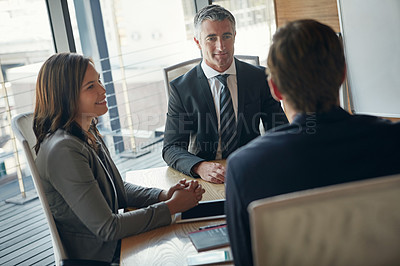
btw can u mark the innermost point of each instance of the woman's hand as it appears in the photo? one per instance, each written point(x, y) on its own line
point(185, 198)
point(166, 195)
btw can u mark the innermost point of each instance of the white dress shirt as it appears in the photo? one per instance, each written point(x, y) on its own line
point(215, 86)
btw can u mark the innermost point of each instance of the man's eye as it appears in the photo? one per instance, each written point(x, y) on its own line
point(211, 39)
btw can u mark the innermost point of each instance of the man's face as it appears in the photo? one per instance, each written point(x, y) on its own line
point(216, 42)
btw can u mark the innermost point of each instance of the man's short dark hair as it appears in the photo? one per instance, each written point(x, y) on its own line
point(306, 62)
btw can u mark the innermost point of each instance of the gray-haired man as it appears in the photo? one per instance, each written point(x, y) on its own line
point(216, 107)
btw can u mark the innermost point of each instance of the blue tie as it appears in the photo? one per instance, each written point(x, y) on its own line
point(227, 130)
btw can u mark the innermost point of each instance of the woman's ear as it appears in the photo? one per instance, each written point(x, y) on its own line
point(274, 90)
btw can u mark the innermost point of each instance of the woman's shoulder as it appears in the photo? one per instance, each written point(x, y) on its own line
point(61, 140)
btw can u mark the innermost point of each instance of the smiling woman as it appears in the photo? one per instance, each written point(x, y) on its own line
point(83, 187)
point(92, 98)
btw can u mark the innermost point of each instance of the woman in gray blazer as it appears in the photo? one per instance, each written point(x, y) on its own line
point(82, 184)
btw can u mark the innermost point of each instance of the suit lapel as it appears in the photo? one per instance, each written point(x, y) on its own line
point(110, 179)
point(208, 98)
point(241, 90)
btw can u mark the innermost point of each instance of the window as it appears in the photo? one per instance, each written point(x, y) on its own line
point(25, 43)
point(130, 42)
point(255, 25)
point(141, 38)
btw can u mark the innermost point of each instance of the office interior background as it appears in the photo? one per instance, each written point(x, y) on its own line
point(130, 42)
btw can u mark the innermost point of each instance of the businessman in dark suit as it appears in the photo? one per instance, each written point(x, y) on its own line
point(323, 144)
point(216, 107)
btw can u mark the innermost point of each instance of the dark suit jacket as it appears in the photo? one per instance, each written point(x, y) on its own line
point(191, 129)
point(313, 151)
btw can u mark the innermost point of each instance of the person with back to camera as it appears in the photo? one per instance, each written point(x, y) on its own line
point(323, 144)
point(216, 107)
point(81, 182)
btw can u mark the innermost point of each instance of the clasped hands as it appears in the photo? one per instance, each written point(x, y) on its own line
point(182, 196)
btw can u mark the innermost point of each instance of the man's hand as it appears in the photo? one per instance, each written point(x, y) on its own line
point(211, 172)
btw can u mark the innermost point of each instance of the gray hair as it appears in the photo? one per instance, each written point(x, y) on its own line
point(213, 13)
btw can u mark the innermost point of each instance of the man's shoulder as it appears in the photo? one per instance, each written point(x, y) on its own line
point(375, 124)
point(188, 77)
point(242, 66)
point(256, 152)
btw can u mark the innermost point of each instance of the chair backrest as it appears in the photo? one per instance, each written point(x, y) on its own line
point(172, 72)
point(22, 126)
point(357, 223)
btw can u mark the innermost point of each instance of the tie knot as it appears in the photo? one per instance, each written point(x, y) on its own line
point(222, 78)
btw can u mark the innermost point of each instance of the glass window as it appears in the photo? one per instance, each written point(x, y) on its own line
point(143, 37)
point(25, 43)
point(140, 38)
point(255, 25)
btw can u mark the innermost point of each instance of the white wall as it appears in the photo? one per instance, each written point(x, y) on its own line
point(371, 35)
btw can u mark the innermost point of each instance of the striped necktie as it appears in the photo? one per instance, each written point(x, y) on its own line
point(227, 130)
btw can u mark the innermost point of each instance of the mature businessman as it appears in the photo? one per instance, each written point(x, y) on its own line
point(216, 107)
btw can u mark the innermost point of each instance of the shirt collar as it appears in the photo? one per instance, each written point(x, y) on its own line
point(210, 72)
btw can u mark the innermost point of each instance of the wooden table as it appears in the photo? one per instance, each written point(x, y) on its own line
point(169, 245)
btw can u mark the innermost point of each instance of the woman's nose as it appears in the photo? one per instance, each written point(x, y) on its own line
point(102, 88)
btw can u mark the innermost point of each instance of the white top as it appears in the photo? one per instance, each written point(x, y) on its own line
point(215, 86)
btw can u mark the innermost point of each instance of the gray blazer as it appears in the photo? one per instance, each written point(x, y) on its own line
point(84, 199)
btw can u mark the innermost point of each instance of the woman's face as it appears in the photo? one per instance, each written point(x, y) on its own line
point(92, 98)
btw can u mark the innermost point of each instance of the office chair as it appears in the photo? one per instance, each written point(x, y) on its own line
point(357, 223)
point(22, 126)
point(172, 72)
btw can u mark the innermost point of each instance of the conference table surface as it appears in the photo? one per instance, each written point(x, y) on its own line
point(168, 245)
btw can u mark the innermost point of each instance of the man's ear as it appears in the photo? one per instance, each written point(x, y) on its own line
point(197, 42)
point(274, 90)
